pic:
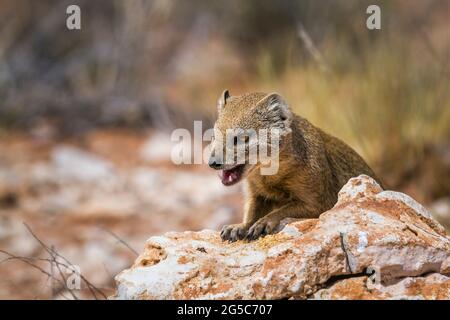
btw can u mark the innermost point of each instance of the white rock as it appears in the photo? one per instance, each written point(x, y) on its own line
point(364, 230)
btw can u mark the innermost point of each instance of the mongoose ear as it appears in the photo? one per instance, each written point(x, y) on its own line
point(279, 112)
point(222, 101)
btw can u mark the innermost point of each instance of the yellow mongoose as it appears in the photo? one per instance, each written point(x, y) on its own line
point(313, 165)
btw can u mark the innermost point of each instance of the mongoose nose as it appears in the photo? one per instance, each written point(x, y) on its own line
point(215, 165)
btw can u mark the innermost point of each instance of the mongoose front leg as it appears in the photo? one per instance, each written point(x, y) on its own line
point(234, 232)
point(269, 223)
point(255, 208)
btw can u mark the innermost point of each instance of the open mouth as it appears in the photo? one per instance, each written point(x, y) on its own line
point(233, 175)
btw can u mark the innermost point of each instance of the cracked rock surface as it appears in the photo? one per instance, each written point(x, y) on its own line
point(372, 244)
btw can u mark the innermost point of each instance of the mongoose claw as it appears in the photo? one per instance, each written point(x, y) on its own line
point(261, 228)
point(234, 232)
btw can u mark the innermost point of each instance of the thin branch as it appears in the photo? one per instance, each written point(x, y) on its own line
point(92, 288)
point(121, 241)
point(311, 47)
point(54, 260)
point(28, 261)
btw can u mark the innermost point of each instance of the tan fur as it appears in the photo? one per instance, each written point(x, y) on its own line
point(313, 167)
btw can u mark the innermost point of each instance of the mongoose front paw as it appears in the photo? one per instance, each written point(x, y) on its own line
point(261, 227)
point(234, 232)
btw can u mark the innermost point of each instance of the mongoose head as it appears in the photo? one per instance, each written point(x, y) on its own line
point(237, 132)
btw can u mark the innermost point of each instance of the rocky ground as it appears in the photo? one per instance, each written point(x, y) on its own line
point(96, 199)
point(372, 244)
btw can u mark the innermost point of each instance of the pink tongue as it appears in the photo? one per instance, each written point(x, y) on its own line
point(228, 176)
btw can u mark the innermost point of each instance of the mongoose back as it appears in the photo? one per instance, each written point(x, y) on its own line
point(312, 167)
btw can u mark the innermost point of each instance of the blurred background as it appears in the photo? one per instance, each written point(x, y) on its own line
point(86, 116)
